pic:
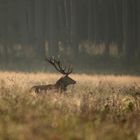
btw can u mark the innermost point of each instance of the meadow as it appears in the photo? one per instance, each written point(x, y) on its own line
point(98, 107)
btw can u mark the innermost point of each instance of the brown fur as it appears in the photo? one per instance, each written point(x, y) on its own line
point(60, 85)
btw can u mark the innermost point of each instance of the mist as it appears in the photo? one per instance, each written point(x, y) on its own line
point(94, 36)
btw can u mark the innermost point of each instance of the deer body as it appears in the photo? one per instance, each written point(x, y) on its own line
point(40, 88)
point(61, 84)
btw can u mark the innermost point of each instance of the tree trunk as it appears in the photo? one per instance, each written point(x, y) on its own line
point(39, 29)
point(107, 30)
point(90, 25)
point(129, 29)
point(53, 29)
point(73, 32)
point(118, 25)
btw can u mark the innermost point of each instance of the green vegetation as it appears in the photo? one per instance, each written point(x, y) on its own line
point(97, 108)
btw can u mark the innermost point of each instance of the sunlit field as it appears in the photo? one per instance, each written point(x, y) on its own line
point(98, 107)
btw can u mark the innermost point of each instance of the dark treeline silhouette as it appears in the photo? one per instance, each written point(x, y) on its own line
point(95, 33)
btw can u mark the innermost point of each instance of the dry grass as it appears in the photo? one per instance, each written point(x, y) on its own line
point(98, 108)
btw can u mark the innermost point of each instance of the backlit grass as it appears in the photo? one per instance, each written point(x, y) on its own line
point(98, 107)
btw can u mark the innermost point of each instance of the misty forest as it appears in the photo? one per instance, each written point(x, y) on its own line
point(100, 34)
point(69, 69)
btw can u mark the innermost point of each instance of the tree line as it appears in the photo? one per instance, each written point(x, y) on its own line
point(36, 28)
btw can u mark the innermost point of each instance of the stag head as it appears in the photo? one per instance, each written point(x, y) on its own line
point(64, 81)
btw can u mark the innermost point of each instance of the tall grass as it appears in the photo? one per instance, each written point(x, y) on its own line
point(97, 108)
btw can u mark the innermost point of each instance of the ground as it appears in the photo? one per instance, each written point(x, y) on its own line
point(98, 107)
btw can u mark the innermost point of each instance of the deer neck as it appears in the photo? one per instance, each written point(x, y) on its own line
point(60, 83)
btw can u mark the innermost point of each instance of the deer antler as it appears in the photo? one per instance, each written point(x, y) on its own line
point(58, 66)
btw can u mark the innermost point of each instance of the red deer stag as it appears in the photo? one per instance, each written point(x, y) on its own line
point(62, 83)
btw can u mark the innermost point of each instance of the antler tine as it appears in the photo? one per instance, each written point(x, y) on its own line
point(54, 62)
point(59, 66)
point(70, 69)
point(64, 69)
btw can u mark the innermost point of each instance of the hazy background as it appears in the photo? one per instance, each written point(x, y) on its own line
point(95, 36)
